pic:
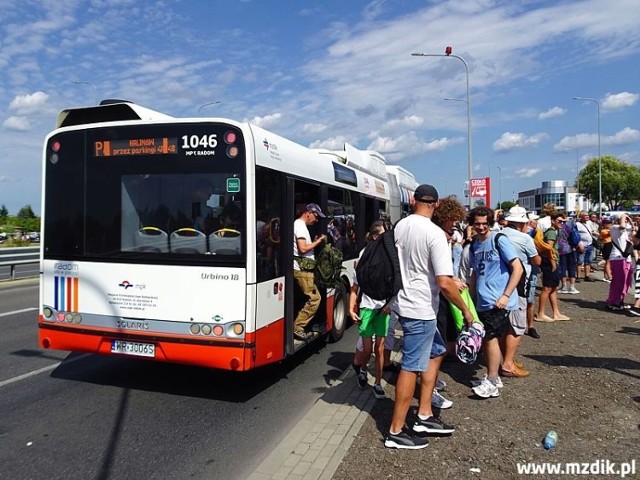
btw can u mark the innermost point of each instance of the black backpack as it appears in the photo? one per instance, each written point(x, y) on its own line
point(523, 283)
point(378, 270)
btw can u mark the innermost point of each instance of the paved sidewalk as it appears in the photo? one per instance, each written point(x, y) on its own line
point(315, 447)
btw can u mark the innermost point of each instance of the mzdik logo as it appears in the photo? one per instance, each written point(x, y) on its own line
point(126, 284)
point(265, 142)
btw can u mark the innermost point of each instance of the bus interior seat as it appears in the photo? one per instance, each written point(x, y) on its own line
point(225, 242)
point(188, 240)
point(151, 239)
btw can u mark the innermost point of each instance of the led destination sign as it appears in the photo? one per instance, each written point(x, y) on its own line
point(136, 146)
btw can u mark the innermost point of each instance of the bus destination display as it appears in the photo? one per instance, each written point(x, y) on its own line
point(136, 146)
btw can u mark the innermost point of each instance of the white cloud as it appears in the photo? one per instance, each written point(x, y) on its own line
point(267, 121)
point(528, 172)
point(408, 121)
point(515, 141)
point(551, 113)
point(314, 128)
point(616, 101)
point(26, 104)
point(20, 124)
point(333, 143)
point(397, 148)
point(626, 136)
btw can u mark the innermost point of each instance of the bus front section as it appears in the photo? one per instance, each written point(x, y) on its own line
point(145, 243)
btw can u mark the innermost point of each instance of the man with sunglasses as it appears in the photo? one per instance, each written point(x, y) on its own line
point(303, 266)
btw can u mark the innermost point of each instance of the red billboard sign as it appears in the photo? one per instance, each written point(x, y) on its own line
point(480, 191)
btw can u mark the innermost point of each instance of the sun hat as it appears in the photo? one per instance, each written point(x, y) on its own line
point(533, 216)
point(517, 214)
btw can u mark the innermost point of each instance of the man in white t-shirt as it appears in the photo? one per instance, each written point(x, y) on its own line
point(427, 269)
point(303, 265)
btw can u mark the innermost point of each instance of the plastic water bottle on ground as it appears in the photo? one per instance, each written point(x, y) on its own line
point(550, 440)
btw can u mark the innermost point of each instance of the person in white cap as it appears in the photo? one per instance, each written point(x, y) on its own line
point(517, 224)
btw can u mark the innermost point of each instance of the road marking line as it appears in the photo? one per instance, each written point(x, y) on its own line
point(41, 370)
point(6, 314)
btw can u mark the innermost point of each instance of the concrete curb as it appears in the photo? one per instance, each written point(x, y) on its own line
point(315, 447)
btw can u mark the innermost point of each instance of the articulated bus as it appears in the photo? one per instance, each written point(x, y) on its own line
point(172, 239)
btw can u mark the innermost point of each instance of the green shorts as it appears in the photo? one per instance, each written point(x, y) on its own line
point(373, 322)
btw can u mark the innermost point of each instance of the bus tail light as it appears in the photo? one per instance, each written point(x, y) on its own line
point(238, 329)
point(218, 331)
point(194, 328)
point(230, 137)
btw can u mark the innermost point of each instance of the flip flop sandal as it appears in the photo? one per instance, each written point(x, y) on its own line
point(544, 319)
point(516, 372)
point(561, 318)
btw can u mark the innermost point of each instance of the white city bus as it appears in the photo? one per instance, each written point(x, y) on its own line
point(172, 239)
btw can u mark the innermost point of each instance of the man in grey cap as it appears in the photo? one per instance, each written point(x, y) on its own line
point(303, 266)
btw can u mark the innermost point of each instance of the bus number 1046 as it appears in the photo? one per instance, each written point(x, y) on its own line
point(199, 141)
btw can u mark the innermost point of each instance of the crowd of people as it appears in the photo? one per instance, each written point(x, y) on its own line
point(501, 258)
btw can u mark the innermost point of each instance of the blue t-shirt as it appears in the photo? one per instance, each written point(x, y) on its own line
point(492, 271)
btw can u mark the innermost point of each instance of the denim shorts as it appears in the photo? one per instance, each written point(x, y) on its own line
point(416, 345)
point(584, 258)
point(438, 347)
point(533, 283)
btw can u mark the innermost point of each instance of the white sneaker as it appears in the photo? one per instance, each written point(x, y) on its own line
point(440, 385)
point(497, 382)
point(563, 290)
point(486, 389)
point(573, 290)
point(439, 401)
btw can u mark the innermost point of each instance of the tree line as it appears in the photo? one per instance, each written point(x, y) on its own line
point(25, 218)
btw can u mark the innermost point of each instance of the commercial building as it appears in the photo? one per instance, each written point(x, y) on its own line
point(565, 197)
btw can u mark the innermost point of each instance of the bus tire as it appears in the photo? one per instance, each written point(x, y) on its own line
point(340, 316)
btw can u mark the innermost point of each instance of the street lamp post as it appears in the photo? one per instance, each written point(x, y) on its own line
point(499, 187)
point(599, 157)
point(448, 53)
point(95, 90)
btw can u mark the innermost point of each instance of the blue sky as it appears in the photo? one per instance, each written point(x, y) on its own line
point(327, 72)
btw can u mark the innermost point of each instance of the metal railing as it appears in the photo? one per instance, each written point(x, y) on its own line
point(12, 257)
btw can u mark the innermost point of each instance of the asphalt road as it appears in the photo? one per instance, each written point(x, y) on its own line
point(93, 417)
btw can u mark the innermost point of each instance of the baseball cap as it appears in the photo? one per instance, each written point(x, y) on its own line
point(517, 214)
point(315, 208)
point(426, 193)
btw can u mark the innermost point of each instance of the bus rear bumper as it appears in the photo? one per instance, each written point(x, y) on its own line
point(235, 355)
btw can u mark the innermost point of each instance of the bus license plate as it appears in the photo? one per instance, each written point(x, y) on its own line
point(133, 348)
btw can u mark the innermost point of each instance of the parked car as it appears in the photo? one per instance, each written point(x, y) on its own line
point(34, 237)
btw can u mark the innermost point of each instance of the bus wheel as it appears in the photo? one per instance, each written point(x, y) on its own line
point(339, 314)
